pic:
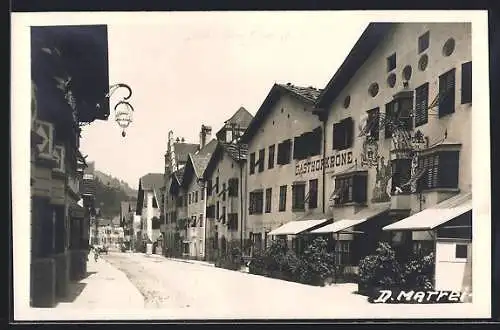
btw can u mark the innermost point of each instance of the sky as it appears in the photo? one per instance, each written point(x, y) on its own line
point(190, 69)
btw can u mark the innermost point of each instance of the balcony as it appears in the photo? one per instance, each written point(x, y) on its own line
point(401, 202)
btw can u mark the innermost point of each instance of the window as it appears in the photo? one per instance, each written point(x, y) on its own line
point(441, 170)
point(209, 187)
point(298, 196)
point(268, 200)
point(189, 195)
point(421, 104)
point(343, 134)
point(223, 215)
point(270, 160)
point(461, 251)
point(389, 115)
point(217, 185)
point(403, 111)
point(202, 193)
point(211, 211)
point(252, 163)
point(313, 194)
point(466, 83)
point(262, 155)
point(256, 202)
point(282, 206)
point(232, 221)
point(308, 144)
point(196, 196)
point(232, 187)
point(217, 210)
point(391, 62)
point(423, 42)
point(193, 221)
point(223, 192)
point(401, 174)
point(447, 93)
point(349, 189)
point(373, 122)
point(200, 220)
point(284, 152)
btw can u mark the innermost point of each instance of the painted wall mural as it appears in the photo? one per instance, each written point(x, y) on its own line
point(381, 191)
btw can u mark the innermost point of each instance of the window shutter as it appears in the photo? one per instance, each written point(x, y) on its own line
point(447, 93)
point(296, 147)
point(348, 132)
point(335, 140)
point(421, 104)
point(466, 82)
point(359, 189)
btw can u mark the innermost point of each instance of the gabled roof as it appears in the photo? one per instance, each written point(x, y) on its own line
point(307, 95)
point(179, 174)
point(241, 117)
point(182, 151)
point(198, 162)
point(152, 182)
point(237, 153)
point(369, 40)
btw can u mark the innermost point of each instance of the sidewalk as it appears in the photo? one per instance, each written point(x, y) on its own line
point(104, 288)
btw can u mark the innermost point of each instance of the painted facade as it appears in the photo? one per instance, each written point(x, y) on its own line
point(148, 208)
point(424, 72)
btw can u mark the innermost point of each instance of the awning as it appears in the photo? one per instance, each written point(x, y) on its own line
point(297, 227)
point(356, 219)
point(437, 215)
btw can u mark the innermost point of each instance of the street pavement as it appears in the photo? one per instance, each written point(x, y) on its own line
point(180, 289)
point(131, 286)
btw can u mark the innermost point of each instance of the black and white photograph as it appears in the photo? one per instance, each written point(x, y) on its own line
point(251, 165)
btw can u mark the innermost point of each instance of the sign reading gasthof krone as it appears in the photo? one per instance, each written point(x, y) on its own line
point(342, 158)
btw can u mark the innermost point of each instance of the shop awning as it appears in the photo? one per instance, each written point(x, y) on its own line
point(297, 227)
point(437, 215)
point(347, 223)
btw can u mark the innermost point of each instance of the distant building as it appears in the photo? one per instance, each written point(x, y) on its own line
point(148, 208)
point(226, 187)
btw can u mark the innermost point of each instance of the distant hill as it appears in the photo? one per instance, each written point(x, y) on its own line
point(115, 183)
point(111, 192)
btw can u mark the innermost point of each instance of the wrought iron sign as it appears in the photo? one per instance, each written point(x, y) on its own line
point(123, 109)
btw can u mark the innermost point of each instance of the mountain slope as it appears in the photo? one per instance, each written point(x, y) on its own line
point(113, 182)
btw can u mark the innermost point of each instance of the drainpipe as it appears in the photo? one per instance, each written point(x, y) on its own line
point(241, 198)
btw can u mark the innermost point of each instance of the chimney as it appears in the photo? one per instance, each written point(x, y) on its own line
point(205, 135)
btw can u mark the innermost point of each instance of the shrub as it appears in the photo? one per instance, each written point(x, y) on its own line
point(380, 269)
point(419, 272)
point(317, 264)
point(258, 263)
point(231, 261)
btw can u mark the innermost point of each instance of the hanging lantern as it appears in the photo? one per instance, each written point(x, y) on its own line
point(123, 115)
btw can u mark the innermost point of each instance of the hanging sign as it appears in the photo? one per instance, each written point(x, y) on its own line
point(340, 159)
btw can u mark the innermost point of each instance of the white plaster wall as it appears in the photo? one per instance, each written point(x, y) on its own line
point(452, 273)
point(196, 234)
point(279, 126)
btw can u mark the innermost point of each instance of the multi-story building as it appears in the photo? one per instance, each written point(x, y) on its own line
point(127, 211)
point(282, 181)
point(225, 182)
point(398, 143)
point(63, 97)
point(193, 187)
point(175, 202)
point(148, 207)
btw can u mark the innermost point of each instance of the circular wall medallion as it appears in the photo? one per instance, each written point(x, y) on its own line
point(407, 72)
point(449, 47)
point(422, 62)
point(391, 80)
point(373, 89)
point(347, 101)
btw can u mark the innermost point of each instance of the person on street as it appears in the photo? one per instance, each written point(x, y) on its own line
point(96, 254)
